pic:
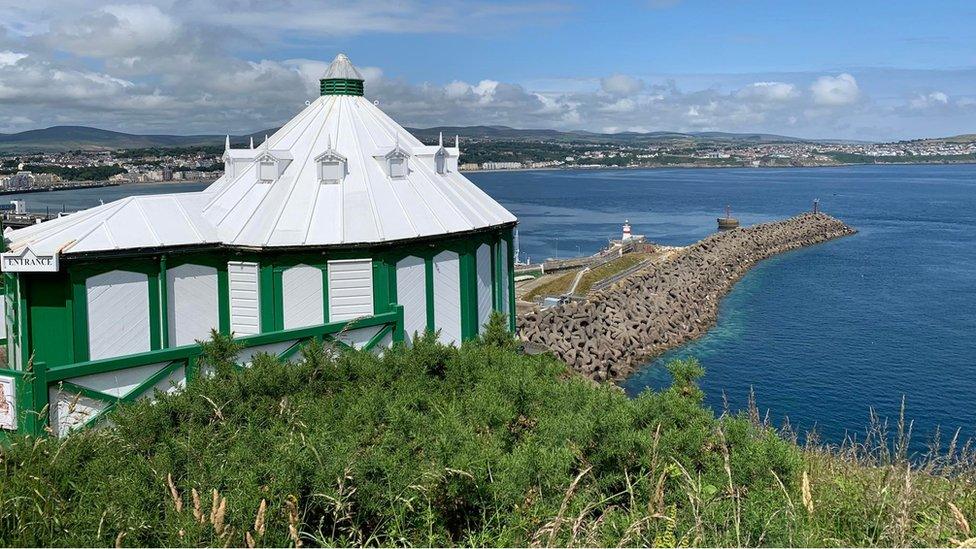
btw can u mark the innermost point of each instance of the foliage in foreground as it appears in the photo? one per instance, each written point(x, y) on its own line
point(439, 446)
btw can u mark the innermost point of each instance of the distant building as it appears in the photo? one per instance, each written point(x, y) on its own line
point(501, 166)
point(469, 166)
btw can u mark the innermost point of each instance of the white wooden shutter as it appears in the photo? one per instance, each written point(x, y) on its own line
point(192, 308)
point(302, 297)
point(447, 296)
point(350, 289)
point(245, 298)
point(412, 295)
point(483, 263)
point(118, 314)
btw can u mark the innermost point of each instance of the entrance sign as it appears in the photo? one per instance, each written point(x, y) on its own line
point(26, 261)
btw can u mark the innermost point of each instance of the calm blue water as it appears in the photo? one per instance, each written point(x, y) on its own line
point(822, 334)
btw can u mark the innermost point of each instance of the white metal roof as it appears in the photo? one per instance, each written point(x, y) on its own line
point(341, 67)
point(367, 206)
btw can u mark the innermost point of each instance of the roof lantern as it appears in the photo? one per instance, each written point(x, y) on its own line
point(341, 78)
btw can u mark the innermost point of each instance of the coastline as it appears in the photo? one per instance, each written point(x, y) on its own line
point(668, 304)
point(736, 166)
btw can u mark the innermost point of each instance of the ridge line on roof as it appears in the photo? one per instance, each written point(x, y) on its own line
point(190, 223)
point(369, 192)
point(121, 202)
point(296, 178)
point(145, 218)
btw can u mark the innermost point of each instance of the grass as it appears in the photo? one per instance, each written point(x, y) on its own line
point(557, 285)
point(437, 446)
point(607, 270)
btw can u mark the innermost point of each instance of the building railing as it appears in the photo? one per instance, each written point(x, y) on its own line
point(35, 383)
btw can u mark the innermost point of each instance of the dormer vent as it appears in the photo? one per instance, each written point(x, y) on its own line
point(331, 166)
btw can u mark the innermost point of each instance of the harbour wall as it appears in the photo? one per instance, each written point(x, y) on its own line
point(607, 336)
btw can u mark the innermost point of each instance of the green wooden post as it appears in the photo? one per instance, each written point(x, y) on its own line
point(39, 409)
point(469, 293)
point(429, 290)
point(223, 299)
point(163, 304)
point(267, 298)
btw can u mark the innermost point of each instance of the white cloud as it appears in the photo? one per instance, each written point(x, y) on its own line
point(621, 84)
point(925, 101)
point(10, 57)
point(769, 91)
point(835, 90)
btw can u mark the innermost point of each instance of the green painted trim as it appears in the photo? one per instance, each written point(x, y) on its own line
point(290, 351)
point(469, 293)
point(510, 262)
point(75, 389)
point(152, 380)
point(155, 326)
point(381, 286)
point(163, 303)
point(223, 299)
point(97, 418)
point(341, 86)
point(378, 337)
point(40, 404)
point(400, 330)
point(429, 283)
point(325, 293)
point(266, 297)
point(60, 373)
point(79, 315)
point(279, 298)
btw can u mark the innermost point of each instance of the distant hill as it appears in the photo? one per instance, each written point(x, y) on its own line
point(69, 138)
point(65, 138)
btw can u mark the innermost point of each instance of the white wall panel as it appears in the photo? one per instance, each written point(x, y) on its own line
point(412, 295)
point(192, 308)
point(359, 337)
point(302, 296)
point(447, 296)
point(483, 266)
point(118, 314)
point(350, 289)
point(245, 298)
point(3, 307)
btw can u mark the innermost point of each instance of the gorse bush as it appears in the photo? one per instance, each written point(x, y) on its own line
point(434, 445)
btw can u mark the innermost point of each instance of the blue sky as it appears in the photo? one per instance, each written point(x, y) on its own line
point(855, 69)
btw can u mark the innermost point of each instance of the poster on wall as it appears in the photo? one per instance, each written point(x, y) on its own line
point(8, 403)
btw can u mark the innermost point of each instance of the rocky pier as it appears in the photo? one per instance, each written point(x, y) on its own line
point(667, 304)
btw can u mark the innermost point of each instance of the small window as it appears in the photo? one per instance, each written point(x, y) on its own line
point(331, 172)
point(267, 170)
point(398, 167)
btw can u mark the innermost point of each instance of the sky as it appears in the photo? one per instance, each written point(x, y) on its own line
point(857, 69)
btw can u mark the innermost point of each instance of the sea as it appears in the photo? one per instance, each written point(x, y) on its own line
point(823, 336)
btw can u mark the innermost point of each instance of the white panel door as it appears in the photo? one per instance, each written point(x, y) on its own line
point(118, 314)
point(302, 296)
point(192, 308)
point(412, 295)
point(350, 289)
point(245, 298)
point(447, 296)
point(483, 265)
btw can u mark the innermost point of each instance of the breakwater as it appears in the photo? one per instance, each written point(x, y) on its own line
point(668, 303)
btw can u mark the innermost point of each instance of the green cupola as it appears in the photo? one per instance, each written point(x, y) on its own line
point(341, 78)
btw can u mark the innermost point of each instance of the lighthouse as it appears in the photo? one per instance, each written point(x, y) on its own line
point(627, 236)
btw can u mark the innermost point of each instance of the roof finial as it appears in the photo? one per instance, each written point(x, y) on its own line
point(456, 141)
point(227, 143)
point(265, 144)
point(440, 139)
point(328, 141)
point(252, 141)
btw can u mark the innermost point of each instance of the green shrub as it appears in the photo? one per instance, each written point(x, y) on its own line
point(435, 445)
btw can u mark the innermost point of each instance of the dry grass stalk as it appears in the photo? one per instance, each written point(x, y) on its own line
point(292, 504)
point(807, 494)
point(249, 541)
point(553, 526)
point(259, 519)
point(119, 538)
point(218, 518)
point(197, 510)
point(177, 499)
point(961, 521)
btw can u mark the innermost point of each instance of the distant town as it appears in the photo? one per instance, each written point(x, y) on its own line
point(507, 149)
